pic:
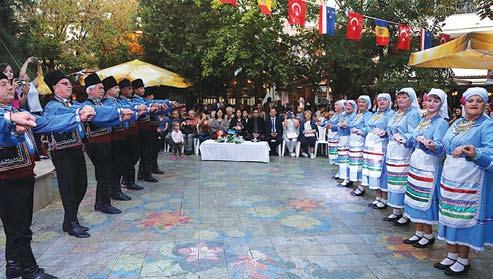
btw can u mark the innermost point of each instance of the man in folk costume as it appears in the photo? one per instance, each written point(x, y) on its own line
point(132, 136)
point(17, 177)
point(98, 145)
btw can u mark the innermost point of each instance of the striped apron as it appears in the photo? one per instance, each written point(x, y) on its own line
point(373, 156)
point(423, 171)
point(460, 193)
point(333, 139)
point(356, 146)
point(397, 163)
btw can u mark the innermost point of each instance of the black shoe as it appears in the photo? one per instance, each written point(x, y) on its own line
point(361, 193)
point(375, 206)
point(398, 224)
point(150, 178)
point(133, 186)
point(120, 197)
point(371, 204)
point(140, 176)
point(450, 272)
point(84, 228)
point(157, 171)
point(411, 242)
point(75, 230)
point(335, 177)
point(443, 266)
point(107, 208)
point(36, 273)
point(430, 243)
point(66, 227)
point(387, 219)
point(123, 181)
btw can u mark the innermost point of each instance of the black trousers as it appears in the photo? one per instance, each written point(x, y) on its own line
point(147, 145)
point(156, 146)
point(71, 173)
point(274, 144)
point(119, 163)
point(16, 213)
point(132, 142)
point(100, 155)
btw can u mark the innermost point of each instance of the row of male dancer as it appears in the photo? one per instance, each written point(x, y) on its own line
point(111, 125)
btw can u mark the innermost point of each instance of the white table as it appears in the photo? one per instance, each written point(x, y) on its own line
point(244, 152)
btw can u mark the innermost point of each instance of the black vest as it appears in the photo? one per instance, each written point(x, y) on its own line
point(64, 140)
point(91, 129)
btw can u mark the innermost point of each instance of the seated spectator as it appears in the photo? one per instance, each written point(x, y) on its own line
point(177, 141)
point(291, 132)
point(229, 113)
point(204, 129)
point(245, 116)
point(308, 136)
point(238, 123)
point(255, 127)
point(274, 131)
point(189, 129)
point(164, 124)
point(219, 124)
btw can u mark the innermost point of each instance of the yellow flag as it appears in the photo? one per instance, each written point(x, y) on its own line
point(265, 6)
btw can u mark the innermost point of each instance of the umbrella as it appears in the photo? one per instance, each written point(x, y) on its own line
point(470, 51)
point(151, 75)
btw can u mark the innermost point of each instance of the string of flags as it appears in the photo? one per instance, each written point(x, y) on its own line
point(355, 21)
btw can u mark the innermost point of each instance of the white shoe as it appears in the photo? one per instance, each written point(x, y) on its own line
point(293, 154)
point(312, 155)
point(304, 154)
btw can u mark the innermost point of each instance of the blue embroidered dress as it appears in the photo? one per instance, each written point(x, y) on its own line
point(357, 145)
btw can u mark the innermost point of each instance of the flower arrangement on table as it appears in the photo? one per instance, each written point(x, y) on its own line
point(229, 137)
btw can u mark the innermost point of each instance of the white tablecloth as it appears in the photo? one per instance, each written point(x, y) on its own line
point(243, 152)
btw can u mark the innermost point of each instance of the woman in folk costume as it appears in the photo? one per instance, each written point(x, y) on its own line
point(333, 136)
point(375, 149)
point(357, 143)
point(466, 188)
point(343, 145)
point(400, 130)
point(421, 200)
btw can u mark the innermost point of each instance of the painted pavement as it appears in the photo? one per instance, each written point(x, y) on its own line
point(209, 220)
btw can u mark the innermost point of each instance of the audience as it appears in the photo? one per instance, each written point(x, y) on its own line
point(307, 135)
point(291, 132)
point(219, 124)
point(274, 131)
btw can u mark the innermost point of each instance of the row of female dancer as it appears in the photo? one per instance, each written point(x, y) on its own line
point(428, 172)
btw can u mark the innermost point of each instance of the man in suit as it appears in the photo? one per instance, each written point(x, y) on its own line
point(255, 126)
point(274, 129)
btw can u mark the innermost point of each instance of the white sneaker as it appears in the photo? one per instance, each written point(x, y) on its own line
point(293, 154)
point(304, 154)
point(312, 155)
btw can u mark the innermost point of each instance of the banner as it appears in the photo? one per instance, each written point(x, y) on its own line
point(354, 26)
point(297, 12)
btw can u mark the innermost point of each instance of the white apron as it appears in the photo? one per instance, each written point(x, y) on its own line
point(356, 146)
point(333, 139)
point(397, 163)
point(374, 155)
point(423, 172)
point(343, 156)
point(460, 193)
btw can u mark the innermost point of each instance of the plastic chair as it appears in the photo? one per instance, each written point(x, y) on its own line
point(321, 139)
point(296, 150)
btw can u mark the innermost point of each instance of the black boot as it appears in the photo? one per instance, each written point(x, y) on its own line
point(150, 178)
point(157, 171)
point(35, 272)
point(107, 208)
point(76, 230)
point(13, 269)
point(134, 186)
point(120, 197)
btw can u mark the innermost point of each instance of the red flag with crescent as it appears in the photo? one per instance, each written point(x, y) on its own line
point(354, 26)
point(297, 12)
point(404, 39)
point(444, 38)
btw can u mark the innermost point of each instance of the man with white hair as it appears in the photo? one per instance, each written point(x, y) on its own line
point(98, 144)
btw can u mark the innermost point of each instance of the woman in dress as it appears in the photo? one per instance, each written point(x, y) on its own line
point(400, 129)
point(308, 137)
point(375, 149)
point(343, 145)
point(421, 199)
point(333, 135)
point(291, 132)
point(466, 192)
point(357, 144)
point(237, 123)
point(219, 124)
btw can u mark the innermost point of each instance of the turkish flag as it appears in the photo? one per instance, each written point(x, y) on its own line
point(231, 2)
point(444, 38)
point(354, 26)
point(297, 12)
point(404, 39)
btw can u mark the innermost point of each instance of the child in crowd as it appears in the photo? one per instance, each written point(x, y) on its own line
point(178, 140)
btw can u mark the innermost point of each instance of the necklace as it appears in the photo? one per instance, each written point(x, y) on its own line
point(423, 125)
point(463, 126)
point(377, 116)
point(398, 117)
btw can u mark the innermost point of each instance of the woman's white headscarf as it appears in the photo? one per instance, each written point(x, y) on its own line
point(412, 96)
point(353, 104)
point(480, 91)
point(367, 99)
point(386, 96)
point(341, 103)
point(443, 98)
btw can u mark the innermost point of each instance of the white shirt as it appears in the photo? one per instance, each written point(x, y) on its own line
point(33, 99)
point(177, 137)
